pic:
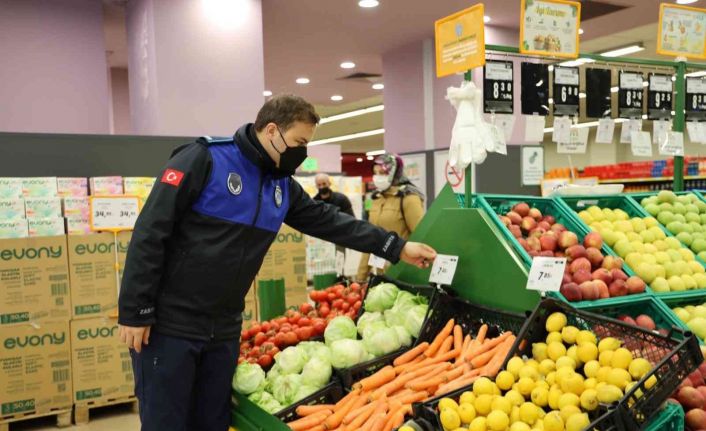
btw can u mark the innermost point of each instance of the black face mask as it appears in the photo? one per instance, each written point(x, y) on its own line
point(325, 191)
point(291, 158)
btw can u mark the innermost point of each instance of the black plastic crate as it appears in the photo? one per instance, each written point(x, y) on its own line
point(329, 394)
point(348, 376)
point(673, 357)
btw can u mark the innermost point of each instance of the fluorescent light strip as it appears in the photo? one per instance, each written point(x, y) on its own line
point(350, 114)
point(577, 62)
point(375, 153)
point(584, 125)
point(623, 51)
point(347, 137)
point(695, 74)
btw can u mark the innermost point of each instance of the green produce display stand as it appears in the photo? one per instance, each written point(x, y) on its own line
point(322, 281)
point(271, 298)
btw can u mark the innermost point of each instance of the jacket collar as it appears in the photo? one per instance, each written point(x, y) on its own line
point(248, 143)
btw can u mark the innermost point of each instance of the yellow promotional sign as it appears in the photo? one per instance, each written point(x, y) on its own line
point(550, 28)
point(681, 31)
point(460, 41)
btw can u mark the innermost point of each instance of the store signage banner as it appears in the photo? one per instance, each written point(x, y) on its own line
point(550, 27)
point(498, 87)
point(460, 41)
point(673, 145)
point(682, 31)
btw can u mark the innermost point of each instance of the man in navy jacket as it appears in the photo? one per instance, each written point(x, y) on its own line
point(196, 248)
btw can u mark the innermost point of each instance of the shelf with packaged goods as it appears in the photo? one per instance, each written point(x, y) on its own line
point(648, 179)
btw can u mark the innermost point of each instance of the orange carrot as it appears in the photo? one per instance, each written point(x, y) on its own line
point(464, 347)
point(413, 397)
point(458, 338)
point(354, 413)
point(309, 410)
point(401, 394)
point(456, 384)
point(445, 346)
point(411, 354)
point(318, 428)
point(485, 358)
point(453, 373)
point(362, 415)
point(378, 423)
point(379, 412)
point(440, 337)
point(496, 363)
point(413, 367)
point(482, 332)
point(489, 344)
point(444, 358)
point(431, 373)
point(396, 419)
point(382, 376)
point(309, 421)
point(334, 420)
point(419, 385)
point(344, 400)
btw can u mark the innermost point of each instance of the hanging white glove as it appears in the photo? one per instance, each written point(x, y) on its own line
point(470, 137)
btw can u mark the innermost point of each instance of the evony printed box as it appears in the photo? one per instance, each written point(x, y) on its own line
point(106, 186)
point(138, 186)
point(49, 207)
point(16, 228)
point(94, 290)
point(34, 280)
point(76, 206)
point(10, 188)
point(35, 368)
point(39, 187)
point(46, 226)
point(67, 187)
point(12, 208)
point(78, 225)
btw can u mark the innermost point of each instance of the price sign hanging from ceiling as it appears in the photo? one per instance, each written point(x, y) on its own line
point(659, 96)
point(695, 98)
point(498, 86)
point(566, 91)
point(630, 94)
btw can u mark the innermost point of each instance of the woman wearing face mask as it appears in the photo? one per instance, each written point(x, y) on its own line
point(397, 203)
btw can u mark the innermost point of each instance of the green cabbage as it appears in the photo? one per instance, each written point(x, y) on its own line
point(394, 317)
point(266, 402)
point(347, 353)
point(374, 328)
point(304, 391)
point(291, 360)
point(248, 378)
point(414, 319)
point(381, 297)
point(367, 318)
point(285, 388)
point(317, 372)
point(381, 341)
point(403, 336)
point(315, 349)
point(406, 300)
point(272, 375)
point(340, 328)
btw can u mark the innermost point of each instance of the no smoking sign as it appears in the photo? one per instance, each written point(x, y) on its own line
point(455, 178)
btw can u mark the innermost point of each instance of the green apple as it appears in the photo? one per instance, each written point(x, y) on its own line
point(638, 246)
point(698, 245)
point(684, 199)
point(676, 284)
point(689, 282)
point(653, 209)
point(674, 227)
point(649, 258)
point(696, 227)
point(634, 259)
point(646, 272)
point(701, 206)
point(586, 217)
point(650, 248)
point(606, 224)
point(623, 248)
point(638, 224)
point(662, 257)
point(674, 255)
point(700, 280)
point(661, 272)
point(702, 255)
point(692, 209)
point(699, 311)
point(623, 226)
point(649, 200)
point(596, 213)
point(690, 309)
point(664, 206)
point(673, 243)
point(632, 236)
point(658, 232)
point(683, 268)
point(679, 208)
point(620, 214)
point(697, 325)
point(679, 218)
point(671, 270)
point(685, 238)
point(696, 267)
point(682, 314)
point(686, 254)
point(621, 237)
point(609, 237)
point(661, 245)
point(659, 285)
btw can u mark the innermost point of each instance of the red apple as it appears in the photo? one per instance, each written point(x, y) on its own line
point(602, 289)
point(618, 288)
point(548, 243)
point(528, 223)
point(559, 254)
point(618, 274)
point(514, 217)
point(603, 275)
point(702, 389)
point(575, 252)
point(549, 219)
point(579, 264)
point(690, 398)
point(589, 291)
point(558, 228)
point(696, 379)
point(695, 419)
point(582, 276)
point(534, 243)
point(612, 262)
point(567, 239)
point(595, 256)
point(702, 369)
point(523, 243)
point(538, 231)
point(646, 322)
point(546, 253)
point(635, 285)
point(506, 220)
point(566, 278)
point(533, 253)
point(593, 239)
point(627, 319)
point(571, 292)
point(522, 209)
point(686, 383)
point(535, 214)
point(515, 231)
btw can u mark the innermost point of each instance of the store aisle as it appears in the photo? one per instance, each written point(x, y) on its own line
point(113, 418)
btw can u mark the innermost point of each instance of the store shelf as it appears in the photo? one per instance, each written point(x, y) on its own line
point(648, 179)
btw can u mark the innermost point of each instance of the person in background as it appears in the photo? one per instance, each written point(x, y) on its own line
point(339, 200)
point(397, 204)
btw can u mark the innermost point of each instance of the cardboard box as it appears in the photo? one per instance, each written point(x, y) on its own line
point(286, 259)
point(250, 314)
point(35, 368)
point(39, 187)
point(72, 187)
point(123, 244)
point(94, 290)
point(49, 207)
point(16, 228)
point(295, 296)
point(76, 206)
point(12, 208)
point(11, 188)
point(46, 226)
point(34, 280)
point(106, 186)
point(138, 186)
point(100, 363)
point(78, 225)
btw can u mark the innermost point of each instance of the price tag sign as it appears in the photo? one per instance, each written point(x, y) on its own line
point(640, 144)
point(660, 129)
point(546, 274)
point(376, 262)
point(696, 132)
point(630, 95)
point(659, 97)
point(566, 91)
point(562, 129)
point(606, 129)
point(443, 270)
point(578, 140)
point(673, 145)
point(340, 261)
point(114, 213)
point(695, 98)
point(498, 87)
point(534, 128)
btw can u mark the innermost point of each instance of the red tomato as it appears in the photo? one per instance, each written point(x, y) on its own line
point(255, 352)
point(324, 304)
point(260, 338)
point(241, 360)
point(244, 335)
point(338, 290)
point(332, 296)
point(305, 308)
point(357, 305)
point(319, 326)
point(353, 298)
point(294, 317)
point(304, 321)
point(265, 361)
point(304, 333)
point(345, 306)
point(295, 327)
point(355, 287)
point(324, 311)
point(337, 304)
point(265, 327)
point(285, 329)
point(275, 326)
point(312, 314)
point(280, 339)
point(281, 320)
point(274, 351)
point(290, 339)
point(314, 295)
point(254, 329)
point(267, 346)
point(252, 360)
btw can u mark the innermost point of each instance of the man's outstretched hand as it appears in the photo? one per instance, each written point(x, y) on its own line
point(418, 254)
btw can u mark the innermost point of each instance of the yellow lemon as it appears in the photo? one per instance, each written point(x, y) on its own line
point(590, 383)
point(639, 367)
point(546, 367)
point(515, 414)
point(498, 421)
point(608, 343)
point(573, 384)
point(530, 372)
point(566, 362)
point(450, 419)
point(586, 337)
point(514, 365)
point(539, 351)
point(589, 400)
point(577, 422)
point(502, 404)
point(556, 350)
point(563, 373)
point(528, 413)
point(519, 426)
point(618, 377)
point(604, 358)
point(569, 400)
point(540, 396)
point(651, 381)
point(525, 386)
point(550, 378)
point(532, 363)
point(609, 394)
point(590, 369)
point(567, 411)
point(554, 397)
point(483, 386)
point(587, 352)
point(569, 334)
point(621, 358)
point(571, 353)
point(467, 397)
point(554, 337)
point(555, 322)
point(515, 397)
point(478, 424)
point(447, 403)
point(602, 374)
point(553, 422)
point(467, 413)
point(483, 404)
point(505, 380)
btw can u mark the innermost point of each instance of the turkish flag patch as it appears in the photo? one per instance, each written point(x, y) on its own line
point(172, 177)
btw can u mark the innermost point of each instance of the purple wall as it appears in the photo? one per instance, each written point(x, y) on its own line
point(403, 117)
point(120, 93)
point(54, 76)
point(208, 77)
point(329, 157)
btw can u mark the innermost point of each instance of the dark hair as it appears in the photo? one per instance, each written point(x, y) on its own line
point(284, 110)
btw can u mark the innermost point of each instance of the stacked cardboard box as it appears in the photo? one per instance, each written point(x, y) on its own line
point(75, 205)
point(13, 223)
point(287, 259)
point(138, 186)
point(42, 206)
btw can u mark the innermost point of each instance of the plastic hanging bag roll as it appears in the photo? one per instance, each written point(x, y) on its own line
point(471, 139)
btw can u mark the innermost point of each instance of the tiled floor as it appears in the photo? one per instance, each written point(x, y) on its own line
point(112, 418)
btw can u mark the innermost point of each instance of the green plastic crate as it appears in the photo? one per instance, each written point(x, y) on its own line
point(670, 418)
point(247, 416)
point(682, 299)
point(496, 205)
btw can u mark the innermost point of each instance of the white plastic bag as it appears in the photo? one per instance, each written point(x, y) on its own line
point(471, 139)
